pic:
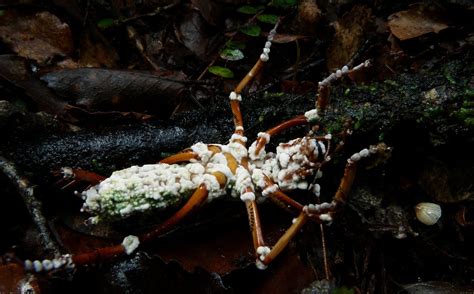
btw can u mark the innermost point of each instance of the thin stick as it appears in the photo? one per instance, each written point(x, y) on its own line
point(35, 208)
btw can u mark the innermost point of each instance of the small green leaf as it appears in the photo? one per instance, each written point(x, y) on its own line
point(231, 54)
point(284, 3)
point(105, 23)
point(2, 12)
point(247, 9)
point(221, 71)
point(268, 18)
point(234, 45)
point(251, 30)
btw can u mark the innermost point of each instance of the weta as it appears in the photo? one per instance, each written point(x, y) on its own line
point(205, 172)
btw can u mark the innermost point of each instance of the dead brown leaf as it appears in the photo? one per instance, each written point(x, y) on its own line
point(210, 10)
point(415, 22)
point(16, 70)
point(39, 36)
point(286, 38)
point(350, 32)
point(95, 51)
point(193, 33)
point(14, 280)
point(117, 90)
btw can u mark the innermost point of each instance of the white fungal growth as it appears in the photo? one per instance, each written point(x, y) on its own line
point(260, 265)
point(262, 252)
point(236, 137)
point(235, 96)
point(361, 154)
point(237, 150)
point(311, 115)
point(293, 162)
point(264, 136)
point(248, 196)
point(270, 190)
point(46, 265)
point(202, 151)
point(325, 218)
point(316, 189)
point(253, 152)
point(67, 173)
point(284, 159)
point(37, 266)
point(258, 178)
point(137, 189)
point(342, 72)
point(242, 180)
point(130, 244)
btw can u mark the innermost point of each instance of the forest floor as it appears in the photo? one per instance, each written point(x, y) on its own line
point(104, 85)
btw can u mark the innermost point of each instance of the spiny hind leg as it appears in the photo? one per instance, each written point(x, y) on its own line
point(128, 246)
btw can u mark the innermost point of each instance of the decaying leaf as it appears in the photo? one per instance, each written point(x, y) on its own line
point(38, 36)
point(193, 33)
point(15, 70)
point(210, 10)
point(95, 52)
point(350, 33)
point(415, 22)
point(285, 38)
point(14, 280)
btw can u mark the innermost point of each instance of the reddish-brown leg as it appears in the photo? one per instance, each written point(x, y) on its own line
point(322, 98)
point(179, 157)
point(264, 137)
point(72, 177)
point(235, 96)
point(268, 255)
point(107, 253)
point(195, 202)
point(255, 225)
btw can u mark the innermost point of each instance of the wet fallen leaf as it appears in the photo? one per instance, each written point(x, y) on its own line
point(210, 10)
point(351, 30)
point(106, 90)
point(16, 70)
point(193, 33)
point(39, 36)
point(285, 38)
point(14, 280)
point(415, 22)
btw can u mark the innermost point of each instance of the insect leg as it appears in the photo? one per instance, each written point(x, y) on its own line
point(129, 244)
point(180, 157)
point(235, 96)
point(345, 185)
point(195, 201)
point(268, 255)
point(74, 176)
point(322, 98)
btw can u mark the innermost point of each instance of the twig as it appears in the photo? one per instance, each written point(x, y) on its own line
point(27, 192)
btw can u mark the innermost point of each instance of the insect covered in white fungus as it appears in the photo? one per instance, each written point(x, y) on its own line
point(203, 172)
point(428, 213)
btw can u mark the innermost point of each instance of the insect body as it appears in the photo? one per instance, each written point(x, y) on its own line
point(159, 186)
